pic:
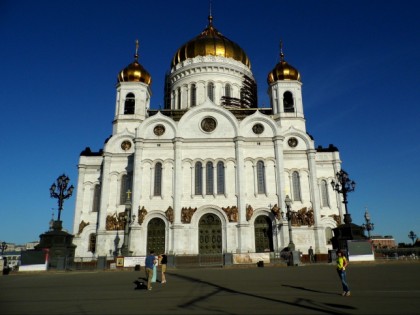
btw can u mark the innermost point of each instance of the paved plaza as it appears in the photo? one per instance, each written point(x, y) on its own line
point(377, 288)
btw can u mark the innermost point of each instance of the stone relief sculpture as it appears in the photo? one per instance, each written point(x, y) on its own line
point(249, 212)
point(115, 221)
point(82, 225)
point(141, 215)
point(232, 213)
point(170, 214)
point(186, 214)
point(303, 217)
point(336, 218)
point(276, 211)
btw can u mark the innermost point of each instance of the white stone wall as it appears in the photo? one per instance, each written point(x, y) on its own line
point(183, 144)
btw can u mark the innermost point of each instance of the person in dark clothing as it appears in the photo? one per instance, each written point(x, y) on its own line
point(163, 263)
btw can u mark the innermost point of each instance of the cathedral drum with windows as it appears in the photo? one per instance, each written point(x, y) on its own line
point(209, 173)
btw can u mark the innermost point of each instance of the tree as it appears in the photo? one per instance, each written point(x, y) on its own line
point(412, 236)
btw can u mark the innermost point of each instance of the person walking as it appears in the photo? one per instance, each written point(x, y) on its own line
point(163, 263)
point(311, 255)
point(342, 263)
point(149, 264)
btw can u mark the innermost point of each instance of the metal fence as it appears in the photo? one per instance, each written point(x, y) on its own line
point(220, 260)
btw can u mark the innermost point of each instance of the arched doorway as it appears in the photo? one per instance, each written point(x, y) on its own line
point(156, 236)
point(263, 234)
point(210, 234)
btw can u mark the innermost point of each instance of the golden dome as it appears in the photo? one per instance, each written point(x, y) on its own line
point(135, 72)
point(210, 43)
point(283, 71)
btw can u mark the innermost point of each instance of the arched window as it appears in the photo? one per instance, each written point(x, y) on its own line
point(209, 178)
point(210, 91)
point(288, 103)
point(198, 178)
point(193, 95)
point(324, 194)
point(227, 90)
point(92, 243)
point(179, 99)
point(296, 186)
point(129, 104)
point(220, 178)
point(125, 186)
point(96, 198)
point(158, 180)
point(261, 177)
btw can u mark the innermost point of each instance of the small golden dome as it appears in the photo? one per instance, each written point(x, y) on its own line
point(283, 71)
point(210, 43)
point(135, 72)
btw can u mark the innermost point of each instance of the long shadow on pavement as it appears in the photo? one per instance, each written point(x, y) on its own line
point(325, 308)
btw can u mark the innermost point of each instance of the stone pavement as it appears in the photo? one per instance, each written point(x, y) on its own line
point(377, 288)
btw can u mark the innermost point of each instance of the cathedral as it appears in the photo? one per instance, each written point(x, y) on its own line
point(211, 171)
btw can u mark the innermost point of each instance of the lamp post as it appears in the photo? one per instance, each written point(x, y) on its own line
point(343, 186)
point(127, 222)
point(3, 247)
point(288, 203)
point(412, 236)
point(61, 192)
point(368, 226)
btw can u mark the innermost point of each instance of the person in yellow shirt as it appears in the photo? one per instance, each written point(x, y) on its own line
point(341, 270)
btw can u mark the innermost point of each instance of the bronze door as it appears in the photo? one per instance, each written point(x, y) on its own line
point(210, 234)
point(156, 236)
point(263, 234)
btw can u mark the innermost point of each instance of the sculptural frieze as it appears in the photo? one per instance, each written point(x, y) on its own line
point(115, 221)
point(186, 214)
point(249, 212)
point(141, 215)
point(82, 225)
point(232, 213)
point(170, 214)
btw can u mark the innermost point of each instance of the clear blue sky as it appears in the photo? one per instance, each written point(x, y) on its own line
point(359, 63)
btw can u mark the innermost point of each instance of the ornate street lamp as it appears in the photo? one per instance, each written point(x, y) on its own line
point(412, 236)
point(127, 221)
point(288, 203)
point(3, 247)
point(368, 226)
point(343, 186)
point(61, 192)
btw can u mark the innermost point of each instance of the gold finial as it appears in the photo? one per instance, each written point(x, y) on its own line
point(281, 51)
point(136, 56)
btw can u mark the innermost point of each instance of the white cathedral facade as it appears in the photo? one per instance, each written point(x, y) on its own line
point(211, 171)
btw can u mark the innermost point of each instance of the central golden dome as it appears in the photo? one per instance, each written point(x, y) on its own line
point(210, 43)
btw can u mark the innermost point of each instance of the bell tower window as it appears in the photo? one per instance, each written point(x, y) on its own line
point(178, 98)
point(193, 95)
point(210, 91)
point(288, 103)
point(227, 90)
point(129, 104)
